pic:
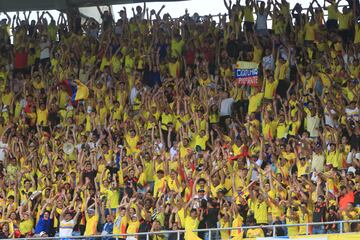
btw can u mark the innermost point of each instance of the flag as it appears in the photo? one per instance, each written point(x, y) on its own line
point(77, 91)
point(246, 73)
point(190, 235)
point(81, 93)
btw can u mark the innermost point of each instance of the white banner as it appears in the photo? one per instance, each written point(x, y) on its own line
point(282, 238)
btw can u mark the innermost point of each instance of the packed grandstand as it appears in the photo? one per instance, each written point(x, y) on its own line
point(147, 123)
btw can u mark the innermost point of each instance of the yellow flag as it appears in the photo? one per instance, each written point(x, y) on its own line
point(82, 91)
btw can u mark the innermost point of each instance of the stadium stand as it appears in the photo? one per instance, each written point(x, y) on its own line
point(152, 123)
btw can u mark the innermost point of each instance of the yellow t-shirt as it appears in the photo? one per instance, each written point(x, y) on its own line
point(310, 31)
point(159, 185)
point(7, 98)
point(42, 117)
point(332, 12)
point(26, 226)
point(292, 231)
point(174, 69)
point(281, 70)
point(120, 224)
point(248, 14)
point(91, 224)
point(357, 34)
point(344, 20)
point(270, 89)
point(225, 234)
point(261, 212)
point(132, 141)
point(201, 141)
point(133, 227)
point(237, 222)
point(254, 232)
point(255, 102)
point(176, 47)
point(191, 224)
point(282, 130)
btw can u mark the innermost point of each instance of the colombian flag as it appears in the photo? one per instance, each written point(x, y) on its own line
point(77, 91)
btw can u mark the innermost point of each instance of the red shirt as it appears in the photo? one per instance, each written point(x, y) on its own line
point(28, 106)
point(346, 199)
point(190, 57)
point(21, 60)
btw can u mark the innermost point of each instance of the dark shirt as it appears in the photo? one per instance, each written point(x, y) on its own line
point(4, 235)
point(232, 49)
point(319, 213)
point(332, 218)
point(357, 198)
point(144, 227)
point(106, 21)
point(354, 141)
point(91, 175)
point(54, 119)
point(211, 217)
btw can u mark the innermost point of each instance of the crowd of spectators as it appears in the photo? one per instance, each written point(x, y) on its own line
point(167, 138)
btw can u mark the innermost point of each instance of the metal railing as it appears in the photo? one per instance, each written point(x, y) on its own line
point(210, 231)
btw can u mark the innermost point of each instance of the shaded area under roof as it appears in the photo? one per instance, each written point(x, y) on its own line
point(25, 5)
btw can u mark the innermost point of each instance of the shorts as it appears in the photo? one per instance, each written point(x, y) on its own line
point(332, 24)
point(45, 62)
point(262, 32)
point(249, 26)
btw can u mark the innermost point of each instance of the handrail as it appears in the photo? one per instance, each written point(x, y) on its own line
point(209, 230)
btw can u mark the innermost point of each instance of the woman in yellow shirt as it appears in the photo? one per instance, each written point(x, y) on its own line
point(134, 220)
point(27, 223)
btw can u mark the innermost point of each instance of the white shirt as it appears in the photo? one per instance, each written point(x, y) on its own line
point(93, 32)
point(317, 162)
point(225, 107)
point(268, 62)
point(45, 50)
point(173, 152)
point(66, 228)
point(3, 150)
point(328, 119)
point(352, 113)
point(255, 173)
point(133, 94)
point(313, 124)
point(118, 30)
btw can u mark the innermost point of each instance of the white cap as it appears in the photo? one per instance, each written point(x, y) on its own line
point(351, 170)
point(4, 109)
point(69, 108)
point(89, 109)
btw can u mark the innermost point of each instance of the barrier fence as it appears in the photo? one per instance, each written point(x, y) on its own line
point(214, 233)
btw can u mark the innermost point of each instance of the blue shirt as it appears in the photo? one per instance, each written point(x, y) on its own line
point(43, 225)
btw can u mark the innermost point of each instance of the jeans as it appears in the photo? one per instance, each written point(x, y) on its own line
point(214, 235)
point(152, 184)
point(76, 233)
point(318, 229)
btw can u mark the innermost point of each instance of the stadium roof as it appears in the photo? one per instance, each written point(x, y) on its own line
point(25, 5)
